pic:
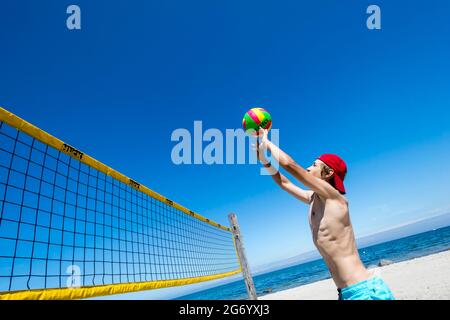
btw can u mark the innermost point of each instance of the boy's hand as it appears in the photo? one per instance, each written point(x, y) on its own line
point(262, 134)
point(261, 146)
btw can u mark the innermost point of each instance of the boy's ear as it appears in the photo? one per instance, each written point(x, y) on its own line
point(330, 174)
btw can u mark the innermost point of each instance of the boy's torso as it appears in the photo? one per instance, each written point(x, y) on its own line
point(333, 236)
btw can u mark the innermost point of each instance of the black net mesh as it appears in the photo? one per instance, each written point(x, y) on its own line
point(63, 223)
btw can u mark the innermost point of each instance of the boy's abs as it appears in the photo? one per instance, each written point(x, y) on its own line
point(345, 271)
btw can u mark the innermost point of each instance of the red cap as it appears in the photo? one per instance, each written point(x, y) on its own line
point(340, 169)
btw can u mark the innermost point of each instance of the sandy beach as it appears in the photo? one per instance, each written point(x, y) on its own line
point(425, 278)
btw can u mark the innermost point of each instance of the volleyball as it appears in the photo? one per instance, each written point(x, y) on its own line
point(255, 119)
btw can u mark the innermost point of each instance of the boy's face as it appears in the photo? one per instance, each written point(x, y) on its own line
point(316, 168)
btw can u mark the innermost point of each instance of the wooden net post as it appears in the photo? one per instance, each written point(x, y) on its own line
point(242, 257)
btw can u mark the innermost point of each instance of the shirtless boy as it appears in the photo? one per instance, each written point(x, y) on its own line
point(329, 219)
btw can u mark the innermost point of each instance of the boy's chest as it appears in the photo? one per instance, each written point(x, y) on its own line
point(316, 210)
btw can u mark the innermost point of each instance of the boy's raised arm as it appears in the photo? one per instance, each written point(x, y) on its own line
point(281, 180)
point(322, 187)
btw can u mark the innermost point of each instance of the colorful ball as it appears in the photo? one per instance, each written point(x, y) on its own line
point(255, 119)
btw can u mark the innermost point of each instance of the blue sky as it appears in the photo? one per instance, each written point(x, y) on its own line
point(140, 69)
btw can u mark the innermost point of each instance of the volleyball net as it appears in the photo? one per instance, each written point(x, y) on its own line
point(72, 227)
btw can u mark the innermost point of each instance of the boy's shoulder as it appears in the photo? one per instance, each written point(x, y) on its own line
point(341, 199)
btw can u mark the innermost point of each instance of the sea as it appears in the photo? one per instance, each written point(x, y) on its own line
point(407, 248)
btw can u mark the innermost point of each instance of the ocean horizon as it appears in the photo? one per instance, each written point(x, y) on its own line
point(402, 249)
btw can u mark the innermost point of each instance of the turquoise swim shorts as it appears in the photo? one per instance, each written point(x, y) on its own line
point(371, 289)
